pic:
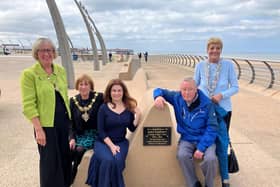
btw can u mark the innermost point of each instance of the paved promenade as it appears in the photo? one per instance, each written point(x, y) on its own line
point(255, 128)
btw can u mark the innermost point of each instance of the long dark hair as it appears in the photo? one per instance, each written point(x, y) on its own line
point(129, 102)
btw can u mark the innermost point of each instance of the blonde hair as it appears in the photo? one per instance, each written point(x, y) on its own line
point(36, 46)
point(86, 78)
point(214, 40)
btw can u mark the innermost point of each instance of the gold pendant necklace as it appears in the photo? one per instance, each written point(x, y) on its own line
point(85, 116)
point(85, 109)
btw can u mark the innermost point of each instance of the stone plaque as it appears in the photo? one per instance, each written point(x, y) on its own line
point(156, 136)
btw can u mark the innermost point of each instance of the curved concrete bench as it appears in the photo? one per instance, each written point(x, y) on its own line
point(129, 69)
point(83, 170)
point(137, 87)
point(88, 57)
point(156, 165)
point(149, 165)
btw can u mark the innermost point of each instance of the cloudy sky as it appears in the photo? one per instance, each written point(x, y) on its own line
point(158, 26)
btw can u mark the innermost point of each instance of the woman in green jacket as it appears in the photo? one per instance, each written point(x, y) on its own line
point(45, 104)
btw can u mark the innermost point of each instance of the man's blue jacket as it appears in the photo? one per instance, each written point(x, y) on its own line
point(196, 124)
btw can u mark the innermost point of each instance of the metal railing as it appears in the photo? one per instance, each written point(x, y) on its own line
point(259, 72)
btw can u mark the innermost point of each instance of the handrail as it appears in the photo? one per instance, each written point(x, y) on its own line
point(260, 72)
point(272, 74)
point(253, 71)
point(238, 68)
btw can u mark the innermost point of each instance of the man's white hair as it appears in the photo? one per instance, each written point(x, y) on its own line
point(188, 79)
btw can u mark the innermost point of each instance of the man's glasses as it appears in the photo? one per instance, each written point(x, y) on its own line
point(46, 50)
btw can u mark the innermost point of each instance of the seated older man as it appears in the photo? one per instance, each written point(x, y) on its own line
point(197, 124)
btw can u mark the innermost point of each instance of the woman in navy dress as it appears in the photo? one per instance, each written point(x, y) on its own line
point(118, 113)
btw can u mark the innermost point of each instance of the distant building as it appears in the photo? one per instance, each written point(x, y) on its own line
point(7, 48)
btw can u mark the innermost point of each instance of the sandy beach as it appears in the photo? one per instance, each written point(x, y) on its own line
point(255, 129)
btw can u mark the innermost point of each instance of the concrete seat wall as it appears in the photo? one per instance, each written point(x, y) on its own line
point(137, 87)
point(83, 170)
point(147, 166)
point(156, 166)
point(88, 57)
point(129, 69)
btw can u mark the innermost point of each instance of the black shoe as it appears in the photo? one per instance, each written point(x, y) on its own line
point(225, 185)
point(197, 184)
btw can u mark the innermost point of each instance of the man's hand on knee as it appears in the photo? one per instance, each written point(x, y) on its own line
point(198, 155)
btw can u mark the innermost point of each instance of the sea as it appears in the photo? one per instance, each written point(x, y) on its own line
point(255, 56)
point(274, 57)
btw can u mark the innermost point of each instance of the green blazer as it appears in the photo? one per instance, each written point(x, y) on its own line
point(38, 92)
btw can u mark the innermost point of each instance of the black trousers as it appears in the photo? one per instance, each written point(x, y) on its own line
point(76, 158)
point(55, 162)
point(227, 119)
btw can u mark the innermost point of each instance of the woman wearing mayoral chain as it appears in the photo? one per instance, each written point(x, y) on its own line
point(84, 107)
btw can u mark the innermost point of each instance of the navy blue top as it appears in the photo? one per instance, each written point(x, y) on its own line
point(79, 126)
point(61, 114)
point(113, 125)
